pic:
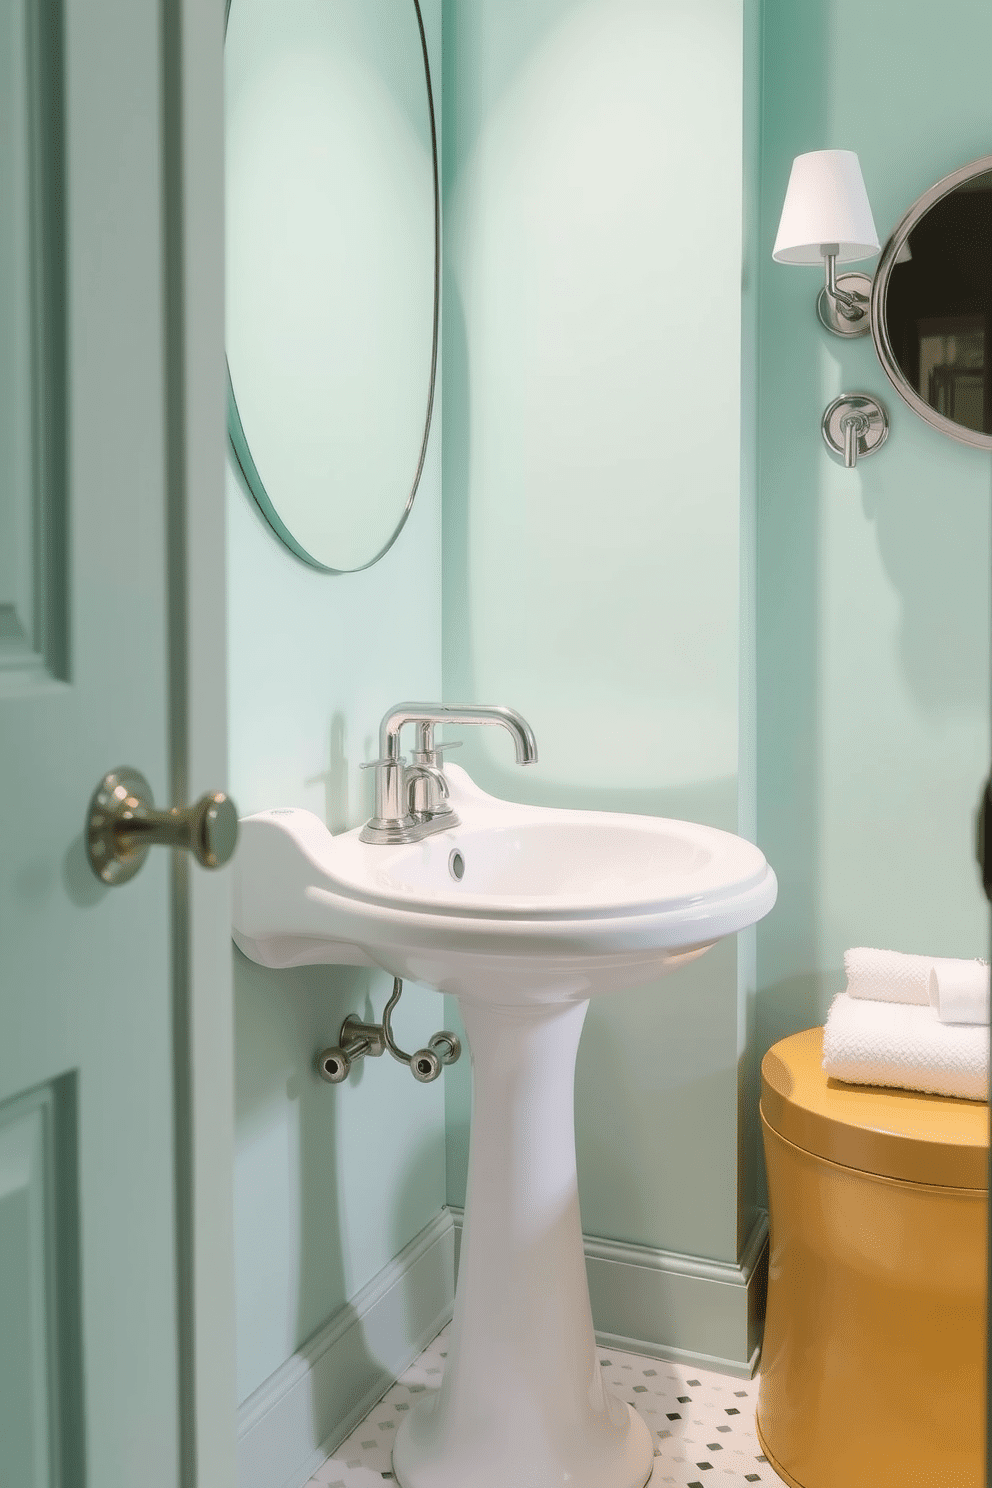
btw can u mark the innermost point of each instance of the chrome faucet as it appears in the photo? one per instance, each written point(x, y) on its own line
point(411, 801)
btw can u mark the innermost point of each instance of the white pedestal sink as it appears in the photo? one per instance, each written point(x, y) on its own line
point(551, 908)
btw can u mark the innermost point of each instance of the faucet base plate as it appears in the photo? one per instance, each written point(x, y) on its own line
point(408, 828)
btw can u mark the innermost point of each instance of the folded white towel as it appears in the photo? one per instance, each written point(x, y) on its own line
point(894, 976)
point(959, 990)
point(867, 1043)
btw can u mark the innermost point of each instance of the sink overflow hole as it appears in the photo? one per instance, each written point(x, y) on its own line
point(456, 864)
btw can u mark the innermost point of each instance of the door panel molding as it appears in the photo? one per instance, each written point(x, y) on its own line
point(33, 595)
point(40, 1373)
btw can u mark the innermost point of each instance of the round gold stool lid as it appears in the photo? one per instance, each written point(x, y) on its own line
point(905, 1134)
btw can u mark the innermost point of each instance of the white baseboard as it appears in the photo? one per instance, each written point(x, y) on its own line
point(702, 1313)
point(707, 1314)
point(293, 1421)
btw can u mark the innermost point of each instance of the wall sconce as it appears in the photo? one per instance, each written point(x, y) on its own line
point(827, 216)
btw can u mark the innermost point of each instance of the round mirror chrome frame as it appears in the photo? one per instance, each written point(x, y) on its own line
point(879, 289)
point(235, 428)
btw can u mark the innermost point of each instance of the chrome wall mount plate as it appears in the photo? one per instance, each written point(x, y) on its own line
point(854, 426)
point(830, 313)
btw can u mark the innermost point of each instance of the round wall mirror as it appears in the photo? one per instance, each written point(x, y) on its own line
point(931, 305)
point(332, 267)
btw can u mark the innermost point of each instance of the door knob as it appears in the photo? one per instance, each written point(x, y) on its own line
point(122, 824)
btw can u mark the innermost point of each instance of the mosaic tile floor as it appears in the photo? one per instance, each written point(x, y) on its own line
point(703, 1423)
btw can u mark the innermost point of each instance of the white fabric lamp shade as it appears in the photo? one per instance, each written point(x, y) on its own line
point(826, 202)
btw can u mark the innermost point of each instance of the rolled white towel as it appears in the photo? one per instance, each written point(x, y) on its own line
point(895, 976)
point(888, 976)
point(959, 991)
point(867, 1043)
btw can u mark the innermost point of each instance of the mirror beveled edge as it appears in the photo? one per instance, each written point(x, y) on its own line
point(879, 289)
point(237, 438)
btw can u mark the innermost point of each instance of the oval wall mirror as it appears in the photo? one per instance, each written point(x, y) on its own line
point(931, 305)
point(333, 218)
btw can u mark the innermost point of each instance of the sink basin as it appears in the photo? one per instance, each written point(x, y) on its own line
point(524, 913)
point(551, 905)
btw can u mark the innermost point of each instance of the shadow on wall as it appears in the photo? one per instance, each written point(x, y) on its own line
point(795, 1003)
point(532, 24)
point(933, 539)
point(317, 1175)
point(289, 1229)
point(457, 643)
point(656, 1076)
point(419, 1179)
point(662, 1061)
point(795, 119)
point(487, 755)
point(647, 1110)
point(335, 778)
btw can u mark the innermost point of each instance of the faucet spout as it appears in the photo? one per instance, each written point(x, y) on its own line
point(524, 743)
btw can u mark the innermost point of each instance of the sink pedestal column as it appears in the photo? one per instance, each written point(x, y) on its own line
point(523, 1404)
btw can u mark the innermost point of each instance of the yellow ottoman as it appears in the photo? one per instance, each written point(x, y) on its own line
point(873, 1361)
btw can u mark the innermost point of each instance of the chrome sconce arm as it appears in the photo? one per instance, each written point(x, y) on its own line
point(843, 304)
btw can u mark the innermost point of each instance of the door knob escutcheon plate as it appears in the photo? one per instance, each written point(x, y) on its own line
point(122, 824)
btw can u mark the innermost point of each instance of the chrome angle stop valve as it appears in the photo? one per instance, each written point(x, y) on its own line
point(358, 1039)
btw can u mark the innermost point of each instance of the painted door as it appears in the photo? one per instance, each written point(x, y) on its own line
point(115, 1319)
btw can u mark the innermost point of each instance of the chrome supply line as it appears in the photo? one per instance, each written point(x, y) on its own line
point(358, 1039)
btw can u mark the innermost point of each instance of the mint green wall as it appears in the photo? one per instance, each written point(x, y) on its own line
point(648, 552)
point(592, 535)
point(330, 1182)
point(873, 585)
